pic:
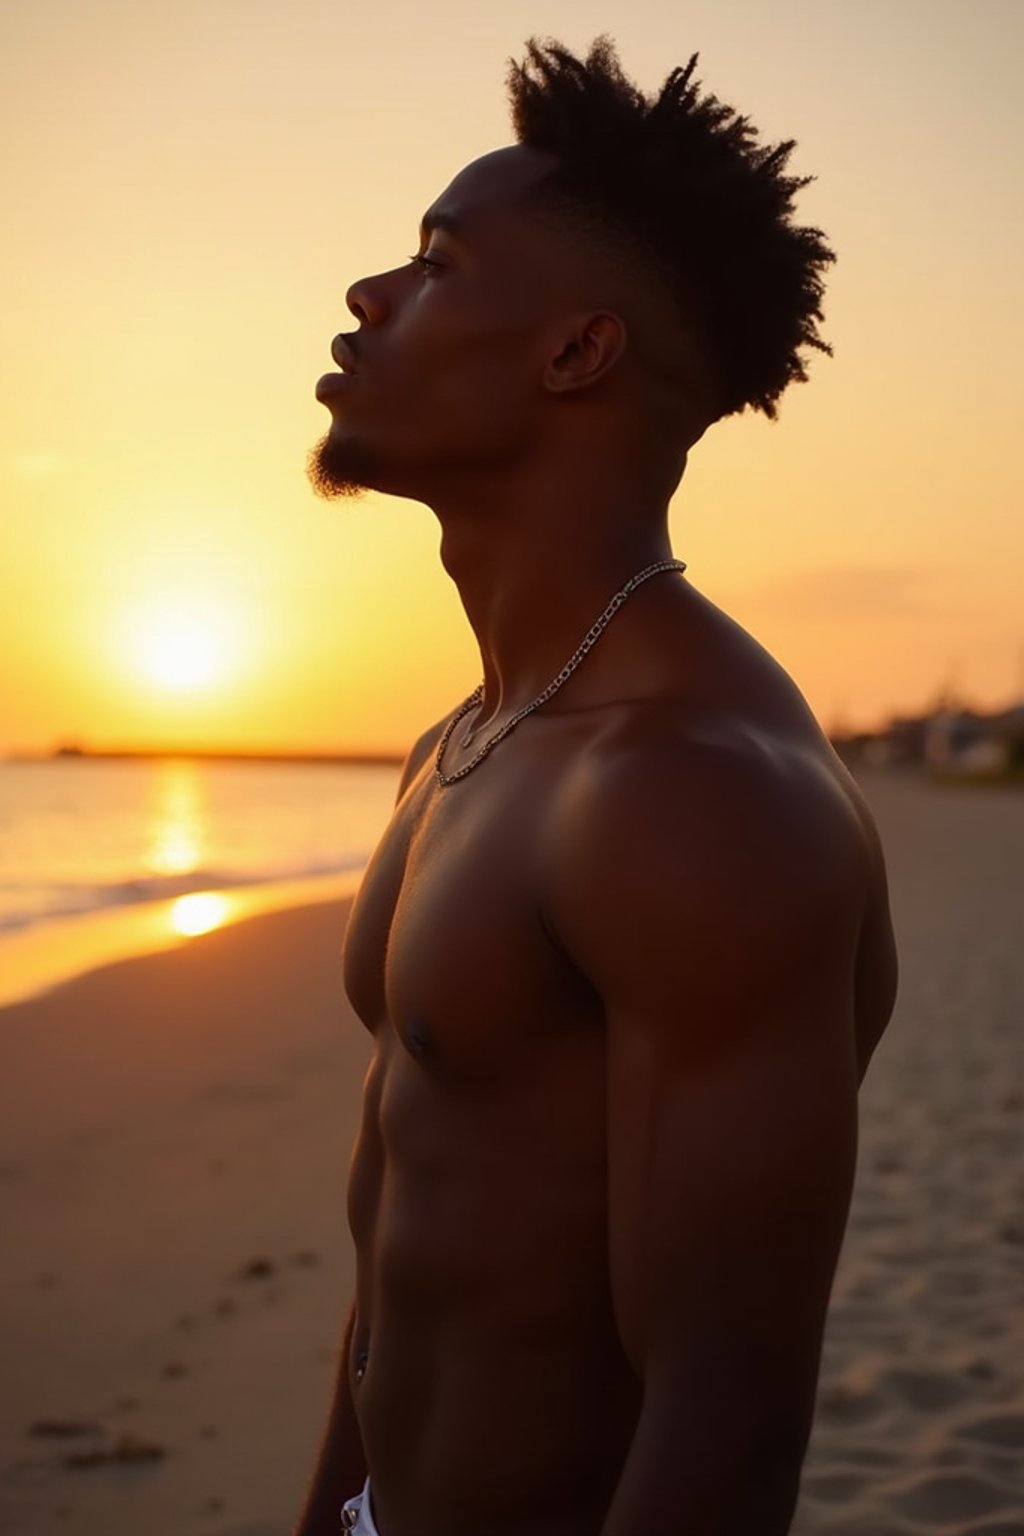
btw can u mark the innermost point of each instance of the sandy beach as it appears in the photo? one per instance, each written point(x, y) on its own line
point(174, 1131)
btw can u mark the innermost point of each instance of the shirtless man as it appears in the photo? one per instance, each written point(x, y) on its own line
point(624, 964)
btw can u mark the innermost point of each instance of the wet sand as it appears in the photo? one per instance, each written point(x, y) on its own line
point(174, 1132)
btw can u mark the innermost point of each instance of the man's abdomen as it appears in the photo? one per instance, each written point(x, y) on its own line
point(494, 1395)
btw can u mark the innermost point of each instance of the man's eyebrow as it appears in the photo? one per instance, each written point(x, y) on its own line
point(437, 218)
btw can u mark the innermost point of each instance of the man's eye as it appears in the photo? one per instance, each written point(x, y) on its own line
point(425, 264)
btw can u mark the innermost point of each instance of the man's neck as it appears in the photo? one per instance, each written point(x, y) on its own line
point(533, 580)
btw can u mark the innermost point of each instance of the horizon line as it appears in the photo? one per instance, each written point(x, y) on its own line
point(75, 752)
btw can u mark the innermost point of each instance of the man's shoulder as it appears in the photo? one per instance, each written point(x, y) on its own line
point(727, 755)
point(715, 801)
point(422, 751)
point(737, 861)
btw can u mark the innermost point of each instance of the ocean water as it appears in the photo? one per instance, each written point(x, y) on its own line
point(85, 836)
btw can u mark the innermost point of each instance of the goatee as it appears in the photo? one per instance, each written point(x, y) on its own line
point(331, 472)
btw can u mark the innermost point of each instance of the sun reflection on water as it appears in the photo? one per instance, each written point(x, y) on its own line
point(176, 830)
point(199, 912)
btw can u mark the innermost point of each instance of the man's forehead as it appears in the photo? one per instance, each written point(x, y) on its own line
point(497, 181)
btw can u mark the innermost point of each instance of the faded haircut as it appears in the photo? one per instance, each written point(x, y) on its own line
point(682, 181)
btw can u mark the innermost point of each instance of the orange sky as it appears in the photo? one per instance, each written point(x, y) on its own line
point(192, 187)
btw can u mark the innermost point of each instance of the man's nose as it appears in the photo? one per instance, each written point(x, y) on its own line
point(366, 300)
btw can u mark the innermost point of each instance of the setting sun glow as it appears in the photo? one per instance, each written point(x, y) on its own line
point(182, 645)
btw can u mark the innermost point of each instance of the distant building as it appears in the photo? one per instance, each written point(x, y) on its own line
point(950, 740)
point(961, 741)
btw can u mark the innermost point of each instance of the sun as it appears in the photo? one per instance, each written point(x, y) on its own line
point(182, 659)
point(183, 643)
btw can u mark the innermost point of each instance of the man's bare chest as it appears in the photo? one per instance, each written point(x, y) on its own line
point(446, 941)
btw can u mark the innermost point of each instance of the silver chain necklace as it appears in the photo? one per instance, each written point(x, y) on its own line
point(590, 639)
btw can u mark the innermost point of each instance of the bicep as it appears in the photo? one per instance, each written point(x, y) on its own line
point(729, 1179)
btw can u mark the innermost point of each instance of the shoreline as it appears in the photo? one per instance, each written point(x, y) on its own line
point(48, 954)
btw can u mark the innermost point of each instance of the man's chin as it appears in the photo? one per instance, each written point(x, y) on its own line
point(332, 472)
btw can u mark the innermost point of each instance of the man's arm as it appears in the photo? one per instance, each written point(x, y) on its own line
point(713, 898)
point(341, 1469)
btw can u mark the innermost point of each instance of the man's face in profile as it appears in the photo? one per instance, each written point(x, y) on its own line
point(441, 376)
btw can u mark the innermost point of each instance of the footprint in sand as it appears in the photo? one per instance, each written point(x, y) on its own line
point(833, 1487)
point(1004, 1430)
point(63, 1429)
point(128, 1450)
point(256, 1269)
point(945, 1500)
point(875, 1457)
point(926, 1391)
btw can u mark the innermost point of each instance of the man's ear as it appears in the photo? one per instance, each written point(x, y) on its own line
point(588, 351)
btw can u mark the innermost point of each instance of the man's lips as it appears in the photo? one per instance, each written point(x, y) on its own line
point(333, 383)
point(344, 354)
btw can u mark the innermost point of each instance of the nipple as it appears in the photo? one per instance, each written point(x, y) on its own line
point(417, 1039)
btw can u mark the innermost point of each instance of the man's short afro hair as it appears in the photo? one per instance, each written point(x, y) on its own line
point(683, 179)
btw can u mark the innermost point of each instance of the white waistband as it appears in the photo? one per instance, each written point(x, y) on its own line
point(357, 1514)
